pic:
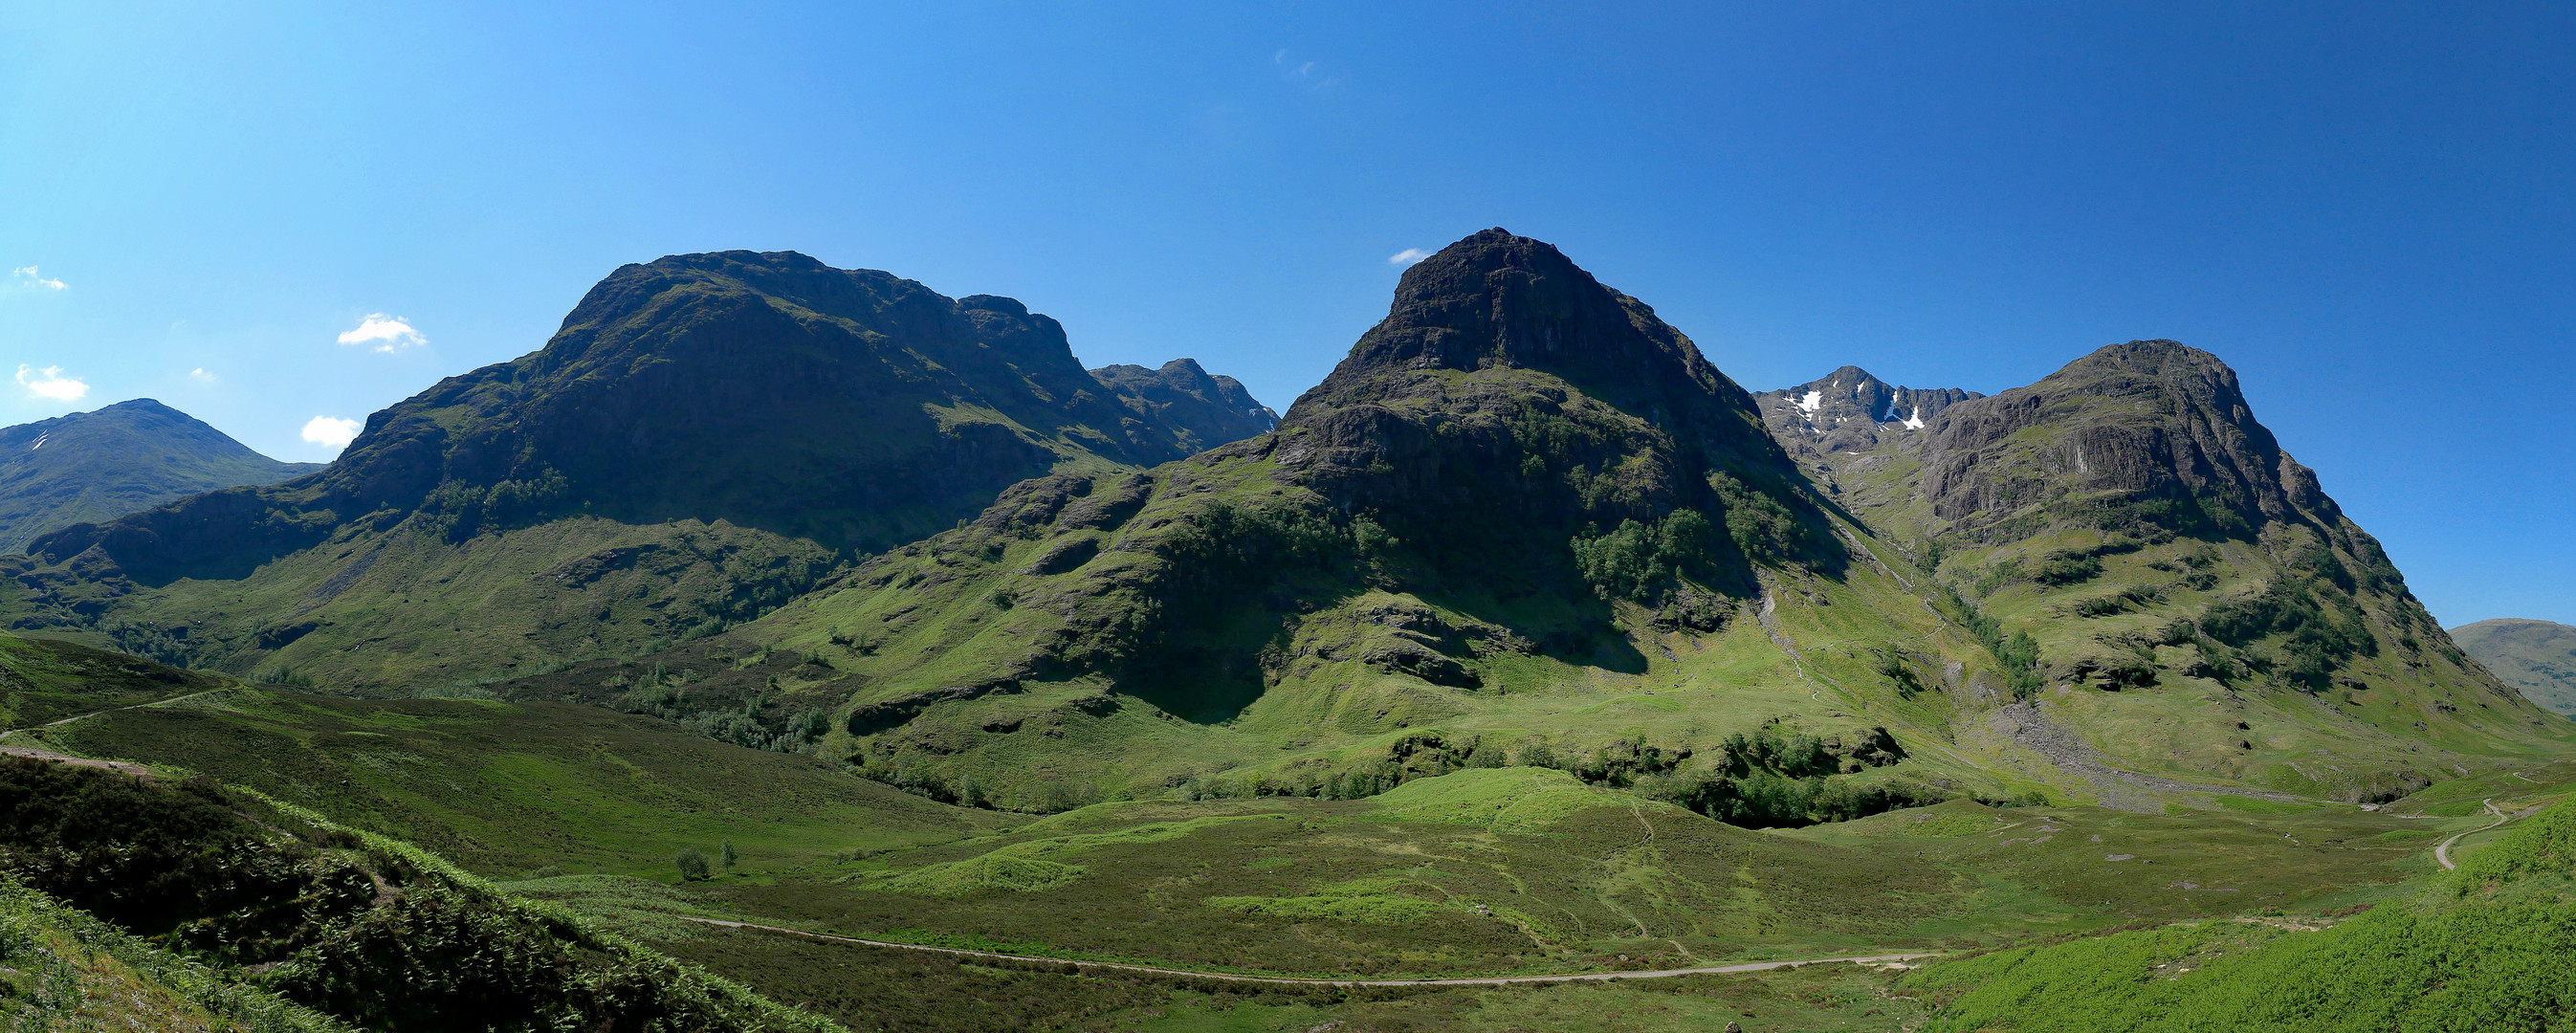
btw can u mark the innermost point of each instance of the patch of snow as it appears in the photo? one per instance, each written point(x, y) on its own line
point(1813, 401)
point(1915, 422)
point(40, 441)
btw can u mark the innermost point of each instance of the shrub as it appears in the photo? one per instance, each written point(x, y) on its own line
point(693, 864)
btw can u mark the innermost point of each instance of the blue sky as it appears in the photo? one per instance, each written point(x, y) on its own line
point(2364, 208)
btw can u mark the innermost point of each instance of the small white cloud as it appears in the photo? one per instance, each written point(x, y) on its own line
point(386, 333)
point(28, 276)
point(200, 375)
point(50, 382)
point(1407, 256)
point(330, 430)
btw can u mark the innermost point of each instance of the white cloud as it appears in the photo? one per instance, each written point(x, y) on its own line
point(200, 375)
point(330, 430)
point(27, 275)
point(386, 333)
point(50, 382)
point(1407, 256)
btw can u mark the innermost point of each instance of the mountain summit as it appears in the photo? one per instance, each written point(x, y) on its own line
point(100, 465)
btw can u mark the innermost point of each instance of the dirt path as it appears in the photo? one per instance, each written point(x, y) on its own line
point(136, 770)
point(1587, 977)
point(95, 713)
point(2442, 851)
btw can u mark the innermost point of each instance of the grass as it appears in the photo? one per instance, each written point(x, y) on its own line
point(2476, 949)
point(507, 788)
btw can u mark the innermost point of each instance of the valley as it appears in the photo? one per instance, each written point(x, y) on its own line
point(777, 631)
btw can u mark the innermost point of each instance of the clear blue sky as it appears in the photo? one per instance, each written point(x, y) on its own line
point(2365, 208)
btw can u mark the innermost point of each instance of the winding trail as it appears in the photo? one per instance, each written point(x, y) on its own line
point(1586, 977)
point(2442, 852)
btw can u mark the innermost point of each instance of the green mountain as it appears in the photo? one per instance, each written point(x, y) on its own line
point(2537, 657)
point(705, 438)
point(93, 467)
point(1525, 521)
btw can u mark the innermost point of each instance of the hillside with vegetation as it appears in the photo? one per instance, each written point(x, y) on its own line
point(2111, 587)
point(92, 467)
point(2536, 657)
point(707, 437)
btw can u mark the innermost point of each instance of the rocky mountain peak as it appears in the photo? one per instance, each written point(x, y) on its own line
point(1849, 410)
point(1496, 300)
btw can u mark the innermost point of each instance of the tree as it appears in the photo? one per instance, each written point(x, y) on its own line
point(693, 864)
point(726, 853)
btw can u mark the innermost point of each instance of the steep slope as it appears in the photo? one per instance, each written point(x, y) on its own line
point(2193, 600)
point(1206, 410)
point(96, 466)
point(2536, 657)
point(705, 437)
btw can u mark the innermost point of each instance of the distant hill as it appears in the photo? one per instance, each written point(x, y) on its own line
point(93, 467)
point(2537, 657)
point(706, 437)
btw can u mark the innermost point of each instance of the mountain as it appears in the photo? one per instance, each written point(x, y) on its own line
point(1208, 410)
point(2537, 657)
point(1848, 410)
point(96, 466)
point(1525, 518)
point(704, 438)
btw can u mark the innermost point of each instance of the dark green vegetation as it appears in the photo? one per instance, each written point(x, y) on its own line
point(2537, 657)
point(2483, 948)
point(93, 467)
point(707, 437)
point(352, 925)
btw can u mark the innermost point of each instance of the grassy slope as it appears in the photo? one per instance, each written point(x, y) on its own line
point(509, 787)
point(2482, 948)
point(2537, 657)
point(64, 969)
point(935, 617)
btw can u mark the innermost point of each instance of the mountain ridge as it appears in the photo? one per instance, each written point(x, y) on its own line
point(705, 437)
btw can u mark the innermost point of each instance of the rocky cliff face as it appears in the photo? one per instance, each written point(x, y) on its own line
point(1205, 410)
point(2141, 422)
point(97, 466)
point(777, 407)
point(1849, 410)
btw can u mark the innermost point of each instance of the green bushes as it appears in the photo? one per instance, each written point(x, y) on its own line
point(2314, 639)
point(2018, 655)
point(1770, 780)
point(1762, 528)
point(368, 930)
point(1637, 563)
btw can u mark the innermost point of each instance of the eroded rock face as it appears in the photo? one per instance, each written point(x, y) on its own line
point(2151, 420)
point(1849, 410)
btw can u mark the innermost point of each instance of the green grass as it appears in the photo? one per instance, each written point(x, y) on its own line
point(2482, 948)
point(507, 788)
